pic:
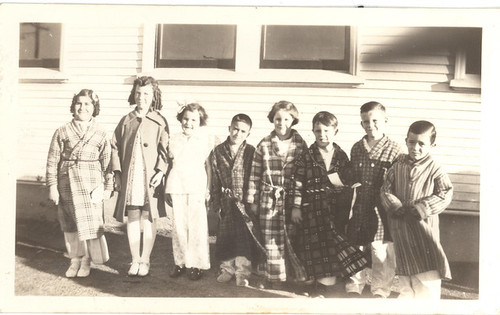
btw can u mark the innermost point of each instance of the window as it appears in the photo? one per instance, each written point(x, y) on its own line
point(468, 59)
point(305, 47)
point(195, 46)
point(40, 45)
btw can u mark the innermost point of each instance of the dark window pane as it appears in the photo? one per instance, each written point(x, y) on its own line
point(472, 45)
point(305, 47)
point(39, 45)
point(196, 46)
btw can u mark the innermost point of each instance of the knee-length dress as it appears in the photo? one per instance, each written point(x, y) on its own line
point(323, 251)
point(270, 188)
point(238, 233)
point(77, 163)
point(152, 133)
point(424, 185)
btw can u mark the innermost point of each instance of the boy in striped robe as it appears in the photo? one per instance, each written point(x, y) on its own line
point(415, 191)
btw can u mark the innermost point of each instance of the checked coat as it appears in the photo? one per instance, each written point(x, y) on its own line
point(426, 187)
point(368, 166)
point(77, 164)
point(324, 251)
point(238, 232)
point(270, 188)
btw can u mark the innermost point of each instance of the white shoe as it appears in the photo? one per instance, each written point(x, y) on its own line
point(134, 269)
point(84, 270)
point(143, 269)
point(73, 268)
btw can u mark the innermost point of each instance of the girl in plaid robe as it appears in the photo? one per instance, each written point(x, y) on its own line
point(318, 201)
point(78, 158)
point(269, 192)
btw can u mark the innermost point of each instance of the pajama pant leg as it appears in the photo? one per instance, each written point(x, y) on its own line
point(425, 285)
point(383, 267)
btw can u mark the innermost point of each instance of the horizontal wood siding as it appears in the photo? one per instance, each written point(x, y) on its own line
point(411, 81)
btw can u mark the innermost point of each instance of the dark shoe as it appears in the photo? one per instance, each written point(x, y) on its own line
point(194, 274)
point(177, 271)
point(353, 295)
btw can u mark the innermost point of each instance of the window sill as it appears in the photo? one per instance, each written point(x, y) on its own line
point(261, 77)
point(469, 83)
point(41, 75)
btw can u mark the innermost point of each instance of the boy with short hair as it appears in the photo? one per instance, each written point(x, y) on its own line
point(320, 198)
point(371, 157)
point(415, 191)
point(237, 236)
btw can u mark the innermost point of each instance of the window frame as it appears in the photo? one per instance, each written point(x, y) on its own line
point(463, 80)
point(247, 69)
point(41, 74)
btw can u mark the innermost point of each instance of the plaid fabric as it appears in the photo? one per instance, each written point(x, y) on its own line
point(323, 251)
point(270, 184)
point(237, 232)
point(416, 240)
point(368, 168)
point(77, 163)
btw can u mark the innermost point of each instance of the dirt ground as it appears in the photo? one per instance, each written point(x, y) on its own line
point(41, 264)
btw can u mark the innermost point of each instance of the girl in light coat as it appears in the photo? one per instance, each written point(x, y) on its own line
point(139, 162)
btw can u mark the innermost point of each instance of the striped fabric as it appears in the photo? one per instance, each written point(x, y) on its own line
point(270, 188)
point(77, 163)
point(425, 191)
point(369, 166)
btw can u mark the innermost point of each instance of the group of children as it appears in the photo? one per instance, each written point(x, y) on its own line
point(307, 215)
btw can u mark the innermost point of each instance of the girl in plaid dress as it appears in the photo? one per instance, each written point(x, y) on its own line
point(139, 162)
point(319, 198)
point(76, 175)
point(187, 191)
point(269, 192)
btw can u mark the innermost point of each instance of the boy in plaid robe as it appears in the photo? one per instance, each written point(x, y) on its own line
point(269, 193)
point(371, 157)
point(237, 235)
point(319, 199)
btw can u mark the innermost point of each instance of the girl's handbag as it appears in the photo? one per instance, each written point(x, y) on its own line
point(98, 250)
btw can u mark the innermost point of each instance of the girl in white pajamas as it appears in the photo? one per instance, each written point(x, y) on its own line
point(187, 190)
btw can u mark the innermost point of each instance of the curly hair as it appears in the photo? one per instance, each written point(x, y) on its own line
point(90, 94)
point(287, 106)
point(193, 107)
point(143, 81)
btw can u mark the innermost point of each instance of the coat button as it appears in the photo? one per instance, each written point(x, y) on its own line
point(372, 165)
point(145, 144)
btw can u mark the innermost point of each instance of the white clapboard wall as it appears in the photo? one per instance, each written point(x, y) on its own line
point(412, 83)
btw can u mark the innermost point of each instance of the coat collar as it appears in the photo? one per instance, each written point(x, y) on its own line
point(318, 158)
point(152, 115)
point(374, 151)
point(227, 152)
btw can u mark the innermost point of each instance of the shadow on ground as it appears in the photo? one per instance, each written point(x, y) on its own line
point(41, 264)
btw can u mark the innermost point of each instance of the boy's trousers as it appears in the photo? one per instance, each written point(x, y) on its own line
point(383, 270)
point(425, 285)
point(237, 266)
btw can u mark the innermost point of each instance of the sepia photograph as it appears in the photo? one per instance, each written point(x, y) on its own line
point(291, 159)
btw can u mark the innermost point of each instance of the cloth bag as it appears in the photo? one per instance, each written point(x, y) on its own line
point(98, 250)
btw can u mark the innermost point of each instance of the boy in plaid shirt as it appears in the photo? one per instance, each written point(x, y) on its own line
point(371, 157)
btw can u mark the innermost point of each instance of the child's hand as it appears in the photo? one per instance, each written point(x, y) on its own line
point(253, 208)
point(107, 194)
point(156, 179)
point(54, 194)
point(338, 189)
point(118, 181)
point(296, 215)
point(399, 212)
point(168, 199)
